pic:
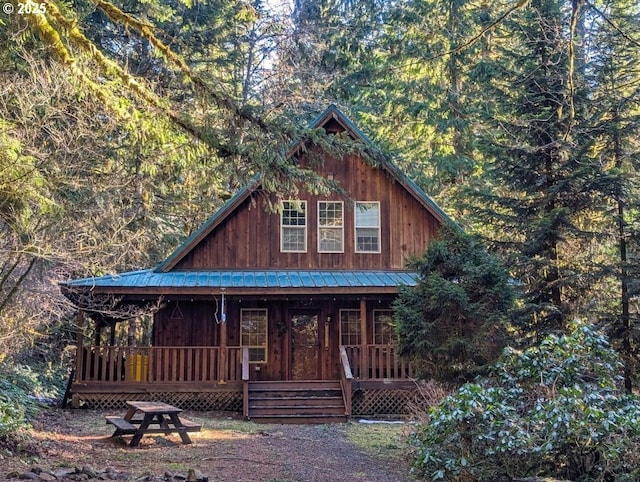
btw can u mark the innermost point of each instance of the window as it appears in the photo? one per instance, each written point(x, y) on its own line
point(293, 227)
point(383, 332)
point(330, 227)
point(350, 327)
point(253, 333)
point(367, 227)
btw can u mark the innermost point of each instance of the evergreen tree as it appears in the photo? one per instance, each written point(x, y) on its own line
point(452, 324)
point(616, 146)
point(537, 181)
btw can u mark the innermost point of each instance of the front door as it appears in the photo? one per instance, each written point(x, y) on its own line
point(305, 345)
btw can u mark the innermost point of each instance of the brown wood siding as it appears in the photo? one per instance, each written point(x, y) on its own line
point(249, 237)
point(186, 323)
point(198, 327)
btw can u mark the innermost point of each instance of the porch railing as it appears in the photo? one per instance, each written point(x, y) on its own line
point(377, 362)
point(162, 364)
point(198, 364)
point(346, 379)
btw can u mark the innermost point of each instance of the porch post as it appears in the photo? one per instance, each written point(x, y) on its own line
point(112, 333)
point(79, 345)
point(364, 355)
point(223, 367)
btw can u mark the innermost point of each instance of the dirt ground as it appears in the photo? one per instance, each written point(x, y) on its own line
point(227, 449)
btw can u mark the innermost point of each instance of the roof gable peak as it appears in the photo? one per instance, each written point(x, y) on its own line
point(332, 114)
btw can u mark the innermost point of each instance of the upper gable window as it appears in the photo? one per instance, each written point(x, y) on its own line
point(367, 225)
point(330, 227)
point(293, 227)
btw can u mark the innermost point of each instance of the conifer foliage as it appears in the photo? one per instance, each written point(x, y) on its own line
point(452, 324)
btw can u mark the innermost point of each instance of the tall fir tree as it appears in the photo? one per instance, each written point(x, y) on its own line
point(537, 178)
point(616, 132)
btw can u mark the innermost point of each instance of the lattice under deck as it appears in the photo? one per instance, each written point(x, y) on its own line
point(370, 402)
point(390, 402)
point(195, 401)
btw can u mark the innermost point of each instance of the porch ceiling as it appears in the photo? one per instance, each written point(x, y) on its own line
point(247, 281)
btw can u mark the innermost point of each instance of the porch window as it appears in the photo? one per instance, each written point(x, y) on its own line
point(367, 225)
point(253, 333)
point(293, 227)
point(383, 332)
point(350, 327)
point(330, 227)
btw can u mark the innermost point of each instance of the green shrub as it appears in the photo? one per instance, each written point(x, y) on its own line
point(21, 388)
point(556, 410)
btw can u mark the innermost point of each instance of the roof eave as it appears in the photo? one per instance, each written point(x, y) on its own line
point(154, 291)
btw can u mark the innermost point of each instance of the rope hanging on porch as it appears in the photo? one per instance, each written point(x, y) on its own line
point(223, 314)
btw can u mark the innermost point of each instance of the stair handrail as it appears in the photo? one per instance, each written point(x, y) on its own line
point(346, 378)
point(245, 382)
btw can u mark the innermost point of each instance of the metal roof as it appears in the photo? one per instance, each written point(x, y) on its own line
point(218, 279)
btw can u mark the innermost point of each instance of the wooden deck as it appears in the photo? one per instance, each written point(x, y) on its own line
point(373, 381)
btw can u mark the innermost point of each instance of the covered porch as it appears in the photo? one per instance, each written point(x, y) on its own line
point(217, 339)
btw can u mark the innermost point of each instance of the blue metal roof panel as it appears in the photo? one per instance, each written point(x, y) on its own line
point(260, 278)
point(338, 279)
point(294, 279)
point(316, 278)
point(305, 279)
point(370, 279)
point(250, 279)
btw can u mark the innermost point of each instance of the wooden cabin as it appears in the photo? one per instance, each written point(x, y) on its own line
point(285, 316)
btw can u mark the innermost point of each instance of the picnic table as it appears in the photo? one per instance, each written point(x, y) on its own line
point(152, 417)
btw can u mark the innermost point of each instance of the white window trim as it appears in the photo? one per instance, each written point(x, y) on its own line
point(386, 311)
point(331, 227)
point(302, 228)
point(266, 334)
point(355, 228)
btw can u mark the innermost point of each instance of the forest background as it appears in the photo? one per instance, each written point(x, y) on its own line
point(125, 124)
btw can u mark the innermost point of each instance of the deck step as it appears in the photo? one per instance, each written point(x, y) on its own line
point(310, 420)
point(315, 402)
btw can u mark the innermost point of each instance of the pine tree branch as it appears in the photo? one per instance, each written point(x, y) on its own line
point(488, 28)
point(223, 101)
point(53, 39)
point(473, 40)
point(613, 25)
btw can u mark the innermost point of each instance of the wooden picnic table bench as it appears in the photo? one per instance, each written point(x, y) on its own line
point(165, 416)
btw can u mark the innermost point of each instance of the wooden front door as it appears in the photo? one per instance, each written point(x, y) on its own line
point(305, 344)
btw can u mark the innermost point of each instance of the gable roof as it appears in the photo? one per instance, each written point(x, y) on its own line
point(331, 113)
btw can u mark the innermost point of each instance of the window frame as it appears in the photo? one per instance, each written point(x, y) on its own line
point(293, 227)
point(357, 333)
point(328, 227)
point(377, 325)
point(265, 345)
point(377, 228)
